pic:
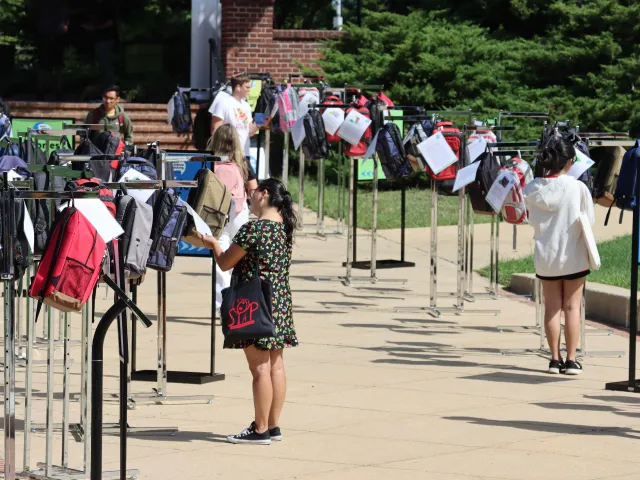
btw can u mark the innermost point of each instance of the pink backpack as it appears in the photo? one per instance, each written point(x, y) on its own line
point(230, 174)
point(288, 108)
point(514, 209)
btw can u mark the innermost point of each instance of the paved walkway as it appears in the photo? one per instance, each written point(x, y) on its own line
point(375, 394)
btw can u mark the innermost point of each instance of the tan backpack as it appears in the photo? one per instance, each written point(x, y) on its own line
point(211, 199)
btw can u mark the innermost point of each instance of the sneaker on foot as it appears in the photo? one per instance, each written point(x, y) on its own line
point(555, 366)
point(250, 436)
point(276, 434)
point(572, 368)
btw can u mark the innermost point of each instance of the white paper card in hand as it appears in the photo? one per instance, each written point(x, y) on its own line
point(333, 118)
point(200, 225)
point(465, 176)
point(590, 240)
point(581, 165)
point(353, 127)
point(500, 189)
point(28, 229)
point(298, 133)
point(98, 215)
point(133, 175)
point(371, 149)
point(477, 148)
point(437, 152)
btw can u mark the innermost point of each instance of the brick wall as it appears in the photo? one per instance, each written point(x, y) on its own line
point(249, 42)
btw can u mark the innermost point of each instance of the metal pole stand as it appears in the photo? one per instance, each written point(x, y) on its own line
point(285, 160)
point(348, 279)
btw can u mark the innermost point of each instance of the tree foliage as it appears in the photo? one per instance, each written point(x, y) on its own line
point(577, 60)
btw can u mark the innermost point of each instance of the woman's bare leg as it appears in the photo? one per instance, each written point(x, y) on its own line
point(260, 366)
point(571, 305)
point(552, 309)
point(279, 385)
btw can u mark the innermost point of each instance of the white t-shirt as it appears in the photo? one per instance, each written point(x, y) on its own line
point(233, 112)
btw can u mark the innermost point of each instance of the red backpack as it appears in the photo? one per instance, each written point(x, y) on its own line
point(360, 149)
point(70, 265)
point(514, 208)
point(94, 185)
point(451, 171)
point(332, 100)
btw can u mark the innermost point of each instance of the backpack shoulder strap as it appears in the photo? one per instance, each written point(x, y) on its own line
point(121, 119)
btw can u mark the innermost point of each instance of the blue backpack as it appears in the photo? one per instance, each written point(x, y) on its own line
point(12, 162)
point(181, 121)
point(139, 164)
point(169, 220)
point(625, 194)
point(391, 153)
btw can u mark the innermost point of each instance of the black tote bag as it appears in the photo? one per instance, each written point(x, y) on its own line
point(246, 308)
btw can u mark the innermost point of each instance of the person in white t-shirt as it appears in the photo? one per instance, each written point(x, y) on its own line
point(235, 110)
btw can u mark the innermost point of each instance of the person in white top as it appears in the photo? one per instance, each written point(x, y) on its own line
point(234, 110)
point(561, 259)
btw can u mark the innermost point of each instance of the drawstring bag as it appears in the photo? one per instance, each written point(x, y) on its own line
point(246, 308)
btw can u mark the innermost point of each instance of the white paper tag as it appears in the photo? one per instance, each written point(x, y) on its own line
point(581, 165)
point(140, 195)
point(500, 189)
point(13, 175)
point(298, 133)
point(353, 127)
point(465, 176)
point(28, 229)
point(98, 215)
point(437, 152)
point(200, 225)
point(371, 149)
point(333, 118)
point(477, 148)
point(170, 110)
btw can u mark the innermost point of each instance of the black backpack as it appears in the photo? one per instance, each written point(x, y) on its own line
point(44, 181)
point(266, 101)
point(21, 260)
point(101, 169)
point(38, 156)
point(169, 221)
point(57, 156)
point(488, 171)
point(391, 153)
point(375, 114)
point(202, 127)
point(314, 145)
point(181, 120)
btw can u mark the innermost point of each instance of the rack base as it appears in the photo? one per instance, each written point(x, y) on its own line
point(381, 264)
point(193, 378)
point(623, 386)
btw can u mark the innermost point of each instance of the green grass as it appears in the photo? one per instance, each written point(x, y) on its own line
point(615, 256)
point(418, 213)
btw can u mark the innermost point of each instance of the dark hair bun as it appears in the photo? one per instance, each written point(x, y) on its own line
point(555, 157)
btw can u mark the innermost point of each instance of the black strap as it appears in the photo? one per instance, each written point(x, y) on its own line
point(606, 219)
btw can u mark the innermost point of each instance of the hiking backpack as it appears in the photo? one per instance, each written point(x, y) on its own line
point(230, 174)
point(21, 259)
point(136, 219)
point(451, 171)
point(266, 101)
point(361, 148)
point(625, 194)
point(418, 133)
point(375, 112)
point(94, 185)
point(314, 145)
point(169, 220)
point(71, 263)
point(307, 96)
point(333, 100)
point(5, 125)
point(608, 160)
point(57, 156)
point(10, 149)
point(101, 169)
point(38, 156)
point(391, 153)
point(488, 171)
point(514, 209)
point(483, 132)
point(181, 119)
point(109, 143)
point(211, 199)
point(11, 162)
point(287, 108)
point(139, 164)
point(202, 127)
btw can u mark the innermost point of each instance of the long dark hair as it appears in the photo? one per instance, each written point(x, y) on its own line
point(281, 199)
point(555, 156)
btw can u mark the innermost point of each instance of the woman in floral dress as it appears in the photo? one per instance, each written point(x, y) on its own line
point(269, 241)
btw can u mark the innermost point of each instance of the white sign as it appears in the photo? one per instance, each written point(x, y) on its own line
point(201, 226)
point(477, 148)
point(437, 152)
point(371, 149)
point(581, 165)
point(353, 127)
point(298, 133)
point(333, 118)
point(98, 215)
point(28, 229)
point(170, 110)
point(133, 175)
point(465, 176)
point(500, 189)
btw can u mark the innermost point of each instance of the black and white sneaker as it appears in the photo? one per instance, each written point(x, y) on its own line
point(555, 367)
point(276, 434)
point(572, 368)
point(250, 436)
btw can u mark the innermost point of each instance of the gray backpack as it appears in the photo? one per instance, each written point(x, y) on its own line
point(136, 219)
